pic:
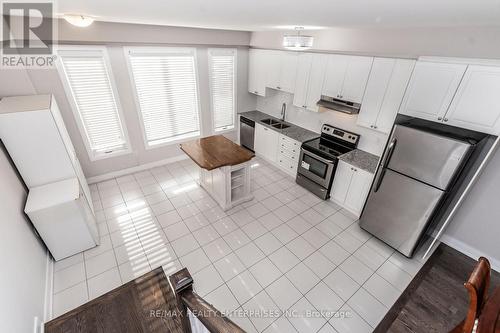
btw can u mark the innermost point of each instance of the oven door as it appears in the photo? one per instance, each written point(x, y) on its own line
point(316, 168)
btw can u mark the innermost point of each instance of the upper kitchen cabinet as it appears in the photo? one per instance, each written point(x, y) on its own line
point(309, 80)
point(346, 77)
point(384, 92)
point(476, 103)
point(258, 65)
point(431, 89)
point(282, 70)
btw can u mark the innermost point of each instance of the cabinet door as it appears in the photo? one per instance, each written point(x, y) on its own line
point(356, 76)
point(334, 75)
point(301, 81)
point(358, 190)
point(288, 71)
point(476, 104)
point(315, 84)
point(257, 72)
point(266, 142)
point(260, 140)
point(274, 61)
point(431, 89)
point(375, 90)
point(341, 182)
point(394, 94)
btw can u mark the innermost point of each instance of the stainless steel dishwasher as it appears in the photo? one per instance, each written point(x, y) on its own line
point(247, 132)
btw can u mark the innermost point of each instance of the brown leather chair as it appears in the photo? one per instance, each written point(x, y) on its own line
point(477, 286)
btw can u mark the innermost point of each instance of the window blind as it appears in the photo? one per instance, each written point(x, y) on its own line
point(222, 75)
point(89, 82)
point(167, 93)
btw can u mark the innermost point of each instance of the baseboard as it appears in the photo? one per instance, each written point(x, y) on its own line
point(470, 251)
point(142, 167)
point(49, 290)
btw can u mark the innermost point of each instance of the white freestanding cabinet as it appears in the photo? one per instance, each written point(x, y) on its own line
point(33, 131)
point(350, 187)
point(346, 77)
point(258, 67)
point(266, 142)
point(62, 217)
point(431, 89)
point(476, 104)
point(384, 92)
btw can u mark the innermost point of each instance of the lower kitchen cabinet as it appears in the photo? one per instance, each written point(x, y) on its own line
point(350, 187)
point(266, 142)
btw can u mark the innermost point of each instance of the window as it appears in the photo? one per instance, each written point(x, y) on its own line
point(87, 78)
point(222, 76)
point(166, 87)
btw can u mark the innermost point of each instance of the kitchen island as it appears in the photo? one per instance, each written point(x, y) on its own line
point(224, 169)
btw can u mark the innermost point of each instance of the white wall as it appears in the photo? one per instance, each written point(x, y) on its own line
point(24, 259)
point(473, 42)
point(475, 229)
point(370, 141)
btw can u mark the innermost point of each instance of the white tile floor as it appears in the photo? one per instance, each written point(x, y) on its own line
point(285, 250)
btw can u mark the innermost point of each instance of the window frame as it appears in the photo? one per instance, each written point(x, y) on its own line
point(234, 52)
point(159, 50)
point(85, 50)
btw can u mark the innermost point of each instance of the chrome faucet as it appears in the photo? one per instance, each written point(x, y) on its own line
point(283, 111)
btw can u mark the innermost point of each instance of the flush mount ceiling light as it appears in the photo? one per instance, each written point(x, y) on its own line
point(77, 20)
point(297, 42)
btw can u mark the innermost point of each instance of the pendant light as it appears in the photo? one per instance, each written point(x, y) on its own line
point(297, 42)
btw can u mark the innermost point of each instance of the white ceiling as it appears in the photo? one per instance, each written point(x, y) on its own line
point(258, 15)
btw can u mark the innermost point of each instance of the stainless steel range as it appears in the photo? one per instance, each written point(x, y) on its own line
point(318, 159)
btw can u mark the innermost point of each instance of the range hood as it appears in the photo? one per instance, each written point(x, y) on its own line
point(340, 105)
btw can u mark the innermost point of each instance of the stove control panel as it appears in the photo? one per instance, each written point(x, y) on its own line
point(340, 133)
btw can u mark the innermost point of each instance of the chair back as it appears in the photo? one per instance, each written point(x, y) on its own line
point(477, 286)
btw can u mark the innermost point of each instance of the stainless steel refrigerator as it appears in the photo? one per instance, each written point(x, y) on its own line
point(416, 171)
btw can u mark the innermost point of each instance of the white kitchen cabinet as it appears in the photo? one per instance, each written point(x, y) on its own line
point(282, 70)
point(431, 89)
point(346, 77)
point(288, 154)
point(266, 142)
point(350, 187)
point(358, 190)
point(476, 103)
point(309, 80)
point(258, 68)
point(304, 62)
point(384, 92)
point(341, 182)
point(33, 131)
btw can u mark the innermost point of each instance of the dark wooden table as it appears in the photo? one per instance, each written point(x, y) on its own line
point(216, 151)
point(489, 320)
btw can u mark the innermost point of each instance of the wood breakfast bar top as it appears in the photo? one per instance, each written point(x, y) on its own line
point(216, 151)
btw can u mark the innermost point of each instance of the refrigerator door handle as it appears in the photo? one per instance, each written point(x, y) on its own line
point(385, 163)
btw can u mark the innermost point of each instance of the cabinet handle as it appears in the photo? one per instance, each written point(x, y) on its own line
point(440, 118)
point(445, 119)
point(278, 87)
point(375, 126)
point(256, 92)
point(371, 126)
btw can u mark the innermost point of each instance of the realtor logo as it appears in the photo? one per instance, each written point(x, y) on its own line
point(27, 28)
point(27, 35)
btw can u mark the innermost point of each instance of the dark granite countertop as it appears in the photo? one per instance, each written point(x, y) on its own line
point(361, 159)
point(294, 132)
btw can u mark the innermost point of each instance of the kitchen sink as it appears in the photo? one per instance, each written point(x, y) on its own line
point(280, 126)
point(270, 121)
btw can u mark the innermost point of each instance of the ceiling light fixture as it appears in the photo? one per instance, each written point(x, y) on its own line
point(297, 42)
point(81, 21)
